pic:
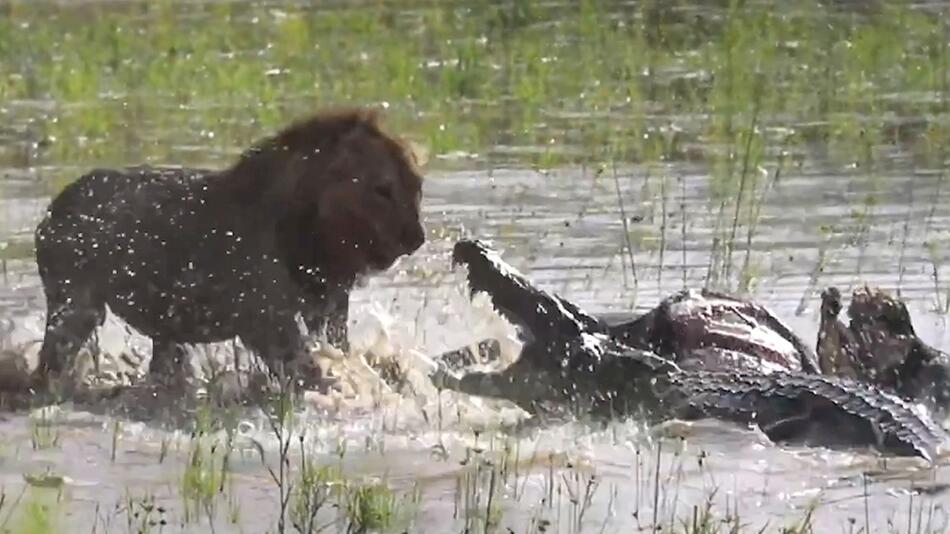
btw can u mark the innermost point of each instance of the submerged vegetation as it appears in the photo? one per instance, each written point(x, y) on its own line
point(749, 92)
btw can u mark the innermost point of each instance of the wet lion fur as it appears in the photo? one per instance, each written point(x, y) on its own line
point(187, 255)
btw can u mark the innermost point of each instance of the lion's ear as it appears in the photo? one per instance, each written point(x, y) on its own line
point(418, 153)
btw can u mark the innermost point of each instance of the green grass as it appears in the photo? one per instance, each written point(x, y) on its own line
point(44, 432)
point(372, 507)
point(313, 491)
point(36, 519)
point(37, 510)
point(468, 78)
point(733, 84)
point(206, 474)
point(204, 478)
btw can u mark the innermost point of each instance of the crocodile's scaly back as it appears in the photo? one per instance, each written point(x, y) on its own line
point(851, 410)
point(787, 406)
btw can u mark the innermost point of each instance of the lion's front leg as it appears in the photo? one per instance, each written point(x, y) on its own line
point(326, 318)
point(337, 329)
point(280, 344)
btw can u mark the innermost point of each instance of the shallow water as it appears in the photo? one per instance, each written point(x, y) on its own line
point(420, 306)
point(563, 227)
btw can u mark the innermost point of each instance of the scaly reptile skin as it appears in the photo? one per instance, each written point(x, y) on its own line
point(828, 404)
point(746, 397)
point(570, 355)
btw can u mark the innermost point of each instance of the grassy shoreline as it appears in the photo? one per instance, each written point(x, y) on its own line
point(651, 82)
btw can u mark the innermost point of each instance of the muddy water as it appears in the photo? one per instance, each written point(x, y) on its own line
point(564, 229)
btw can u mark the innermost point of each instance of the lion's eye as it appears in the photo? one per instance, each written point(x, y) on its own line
point(384, 191)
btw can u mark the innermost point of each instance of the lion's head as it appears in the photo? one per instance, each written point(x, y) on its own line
point(352, 191)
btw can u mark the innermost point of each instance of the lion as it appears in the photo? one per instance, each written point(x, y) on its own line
point(195, 255)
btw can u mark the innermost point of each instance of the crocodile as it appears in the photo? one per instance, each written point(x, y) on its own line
point(572, 361)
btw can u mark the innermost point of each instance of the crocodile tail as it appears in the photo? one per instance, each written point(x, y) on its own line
point(839, 407)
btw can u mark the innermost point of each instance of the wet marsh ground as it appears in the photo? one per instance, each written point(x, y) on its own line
point(614, 151)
